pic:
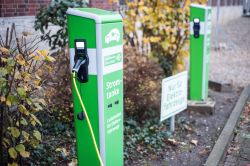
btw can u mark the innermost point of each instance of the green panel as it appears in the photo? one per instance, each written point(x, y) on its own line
point(197, 58)
point(104, 15)
point(112, 34)
point(113, 118)
point(81, 28)
point(85, 147)
point(196, 12)
point(196, 67)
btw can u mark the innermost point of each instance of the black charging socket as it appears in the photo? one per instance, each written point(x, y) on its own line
point(81, 60)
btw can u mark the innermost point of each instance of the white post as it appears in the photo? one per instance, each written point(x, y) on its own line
point(172, 124)
point(217, 25)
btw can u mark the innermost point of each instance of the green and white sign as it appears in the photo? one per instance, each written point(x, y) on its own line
point(103, 93)
point(200, 32)
point(174, 95)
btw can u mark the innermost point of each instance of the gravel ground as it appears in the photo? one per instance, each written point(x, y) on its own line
point(202, 128)
point(231, 62)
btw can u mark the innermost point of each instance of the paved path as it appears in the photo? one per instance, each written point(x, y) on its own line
point(238, 153)
point(231, 63)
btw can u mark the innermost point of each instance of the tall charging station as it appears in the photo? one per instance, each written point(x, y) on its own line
point(96, 54)
point(200, 31)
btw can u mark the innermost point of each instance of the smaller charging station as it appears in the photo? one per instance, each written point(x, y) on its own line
point(96, 61)
point(200, 31)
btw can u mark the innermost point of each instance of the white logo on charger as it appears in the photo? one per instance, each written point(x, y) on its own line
point(113, 35)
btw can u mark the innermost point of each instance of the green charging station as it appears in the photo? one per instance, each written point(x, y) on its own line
point(96, 56)
point(200, 31)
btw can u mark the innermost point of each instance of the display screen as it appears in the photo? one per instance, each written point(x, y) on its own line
point(80, 45)
point(196, 20)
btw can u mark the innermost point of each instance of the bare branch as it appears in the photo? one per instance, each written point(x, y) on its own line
point(7, 36)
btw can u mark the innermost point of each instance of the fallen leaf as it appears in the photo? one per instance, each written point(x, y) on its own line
point(173, 141)
point(25, 154)
point(187, 127)
point(203, 152)
point(194, 142)
point(73, 162)
point(25, 33)
point(2, 98)
point(139, 148)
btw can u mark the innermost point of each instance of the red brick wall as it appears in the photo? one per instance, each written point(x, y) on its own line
point(102, 4)
point(10, 8)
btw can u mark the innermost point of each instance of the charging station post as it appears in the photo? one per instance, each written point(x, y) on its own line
point(96, 58)
point(200, 30)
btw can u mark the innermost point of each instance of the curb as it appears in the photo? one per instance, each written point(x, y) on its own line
point(225, 137)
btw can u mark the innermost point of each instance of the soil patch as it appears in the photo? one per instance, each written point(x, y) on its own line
point(195, 134)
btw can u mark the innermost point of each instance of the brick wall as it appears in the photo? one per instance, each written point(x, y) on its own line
point(102, 4)
point(10, 8)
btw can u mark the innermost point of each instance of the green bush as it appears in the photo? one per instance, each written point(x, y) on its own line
point(164, 28)
point(59, 144)
point(58, 88)
point(55, 14)
point(20, 83)
point(142, 84)
point(142, 138)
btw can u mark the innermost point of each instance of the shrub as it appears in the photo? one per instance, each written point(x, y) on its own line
point(58, 85)
point(58, 88)
point(20, 66)
point(142, 84)
point(55, 14)
point(160, 29)
point(144, 139)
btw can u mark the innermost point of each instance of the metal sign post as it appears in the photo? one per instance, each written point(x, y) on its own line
point(172, 124)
